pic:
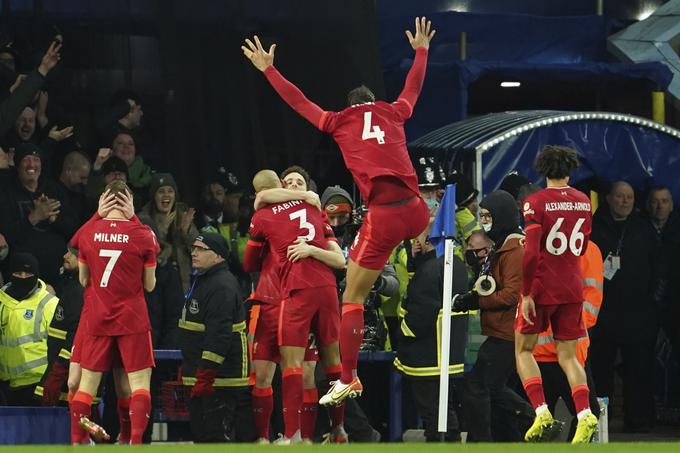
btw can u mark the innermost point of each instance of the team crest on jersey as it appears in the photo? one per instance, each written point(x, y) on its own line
point(59, 314)
point(28, 314)
point(527, 209)
point(193, 306)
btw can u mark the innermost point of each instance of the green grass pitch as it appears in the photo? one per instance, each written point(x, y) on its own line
point(648, 447)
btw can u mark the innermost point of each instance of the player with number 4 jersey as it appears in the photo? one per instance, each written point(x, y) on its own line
point(372, 140)
point(558, 223)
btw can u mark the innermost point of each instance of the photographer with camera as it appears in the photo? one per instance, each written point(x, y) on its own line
point(345, 221)
point(496, 256)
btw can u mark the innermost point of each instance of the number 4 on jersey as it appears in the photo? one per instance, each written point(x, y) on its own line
point(374, 132)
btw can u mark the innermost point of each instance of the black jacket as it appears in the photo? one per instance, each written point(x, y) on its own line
point(213, 329)
point(62, 330)
point(419, 348)
point(629, 309)
point(46, 241)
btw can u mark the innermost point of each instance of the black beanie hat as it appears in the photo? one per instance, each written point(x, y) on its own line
point(24, 262)
point(216, 243)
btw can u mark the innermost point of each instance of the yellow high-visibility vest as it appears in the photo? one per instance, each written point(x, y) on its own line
point(23, 335)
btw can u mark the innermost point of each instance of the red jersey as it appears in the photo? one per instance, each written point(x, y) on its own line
point(268, 289)
point(558, 223)
point(280, 225)
point(371, 136)
point(116, 253)
point(373, 143)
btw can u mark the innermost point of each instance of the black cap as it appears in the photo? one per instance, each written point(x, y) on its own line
point(465, 192)
point(24, 262)
point(430, 173)
point(112, 164)
point(24, 149)
point(512, 183)
point(216, 243)
point(226, 179)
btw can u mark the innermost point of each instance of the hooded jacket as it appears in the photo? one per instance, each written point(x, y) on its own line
point(498, 309)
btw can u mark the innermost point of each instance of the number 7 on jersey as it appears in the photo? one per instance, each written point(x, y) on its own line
point(113, 256)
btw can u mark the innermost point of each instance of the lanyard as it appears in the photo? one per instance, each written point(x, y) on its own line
point(190, 291)
point(619, 246)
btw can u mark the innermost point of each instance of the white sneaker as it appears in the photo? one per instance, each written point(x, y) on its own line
point(283, 440)
point(262, 441)
point(340, 392)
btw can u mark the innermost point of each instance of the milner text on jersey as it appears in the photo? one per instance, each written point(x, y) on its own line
point(109, 237)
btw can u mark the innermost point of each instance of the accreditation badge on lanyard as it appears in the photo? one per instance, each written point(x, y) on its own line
point(612, 263)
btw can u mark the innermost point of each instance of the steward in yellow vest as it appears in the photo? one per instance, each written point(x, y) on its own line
point(26, 310)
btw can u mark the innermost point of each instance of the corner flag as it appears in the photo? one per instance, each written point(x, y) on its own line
point(444, 225)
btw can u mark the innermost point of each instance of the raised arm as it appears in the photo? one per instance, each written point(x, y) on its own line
point(416, 75)
point(264, 61)
point(269, 196)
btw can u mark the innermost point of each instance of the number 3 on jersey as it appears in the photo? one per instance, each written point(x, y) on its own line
point(304, 224)
point(374, 132)
point(113, 256)
point(575, 242)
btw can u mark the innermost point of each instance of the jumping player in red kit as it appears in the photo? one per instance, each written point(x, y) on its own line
point(117, 263)
point(371, 137)
point(308, 289)
point(558, 224)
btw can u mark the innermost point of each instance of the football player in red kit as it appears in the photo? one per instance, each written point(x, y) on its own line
point(371, 137)
point(558, 224)
point(265, 342)
point(117, 263)
point(308, 291)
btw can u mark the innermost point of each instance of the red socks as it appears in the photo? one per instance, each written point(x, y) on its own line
point(292, 400)
point(336, 413)
point(534, 389)
point(80, 406)
point(124, 418)
point(310, 401)
point(263, 406)
point(140, 410)
point(581, 395)
point(351, 335)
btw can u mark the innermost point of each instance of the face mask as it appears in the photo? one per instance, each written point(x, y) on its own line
point(21, 287)
point(487, 227)
point(339, 231)
point(471, 259)
point(432, 203)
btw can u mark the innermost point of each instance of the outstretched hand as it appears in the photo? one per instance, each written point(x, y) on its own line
point(51, 58)
point(257, 55)
point(423, 35)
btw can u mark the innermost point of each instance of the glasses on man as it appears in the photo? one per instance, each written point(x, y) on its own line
point(198, 248)
point(478, 251)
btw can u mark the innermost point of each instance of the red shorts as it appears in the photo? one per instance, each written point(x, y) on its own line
point(310, 309)
point(77, 347)
point(135, 352)
point(566, 321)
point(265, 341)
point(385, 227)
